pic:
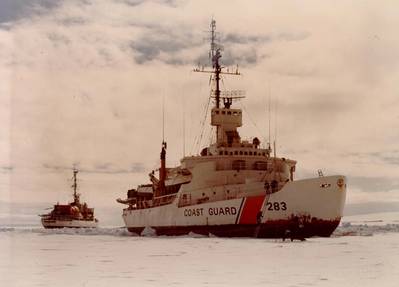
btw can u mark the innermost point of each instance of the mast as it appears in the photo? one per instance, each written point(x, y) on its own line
point(215, 56)
point(75, 186)
point(162, 170)
point(216, 72)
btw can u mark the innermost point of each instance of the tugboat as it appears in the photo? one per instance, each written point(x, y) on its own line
point(234, 188)
point(73, 215)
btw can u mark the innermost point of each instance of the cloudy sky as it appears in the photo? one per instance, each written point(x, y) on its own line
point(82, 83)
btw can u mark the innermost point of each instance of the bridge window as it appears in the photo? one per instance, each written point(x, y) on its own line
point(260, 165)
point(238, 164)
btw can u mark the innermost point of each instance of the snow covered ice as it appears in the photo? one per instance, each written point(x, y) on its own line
point(364, 251)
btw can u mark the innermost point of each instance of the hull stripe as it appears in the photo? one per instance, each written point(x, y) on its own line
point(251, 208)
point(264, 204)
point(239, 210)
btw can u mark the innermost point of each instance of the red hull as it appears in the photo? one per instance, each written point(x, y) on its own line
point(271, 229)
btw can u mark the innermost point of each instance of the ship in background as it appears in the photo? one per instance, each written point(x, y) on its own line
point(234, 188)
point(75, 214)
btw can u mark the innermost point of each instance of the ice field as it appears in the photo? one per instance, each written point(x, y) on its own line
point(364, 251)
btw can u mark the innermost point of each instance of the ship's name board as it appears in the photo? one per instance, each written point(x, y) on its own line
point(211, 211)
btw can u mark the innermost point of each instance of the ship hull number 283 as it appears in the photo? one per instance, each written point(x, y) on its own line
point(276, 206)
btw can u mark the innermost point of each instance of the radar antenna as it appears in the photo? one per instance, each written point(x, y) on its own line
point(215, 55)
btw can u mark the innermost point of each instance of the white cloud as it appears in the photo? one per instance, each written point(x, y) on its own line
point(84, 81)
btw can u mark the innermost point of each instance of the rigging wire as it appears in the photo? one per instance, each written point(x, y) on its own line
point(197, 135)
point(211, 135)
point(250, 118)
point(202, 123)
point(198, 144)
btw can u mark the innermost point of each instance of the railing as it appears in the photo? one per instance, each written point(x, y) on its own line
point(243, 165)
point(157, 201)
point(226, 194)
point(163, 200)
